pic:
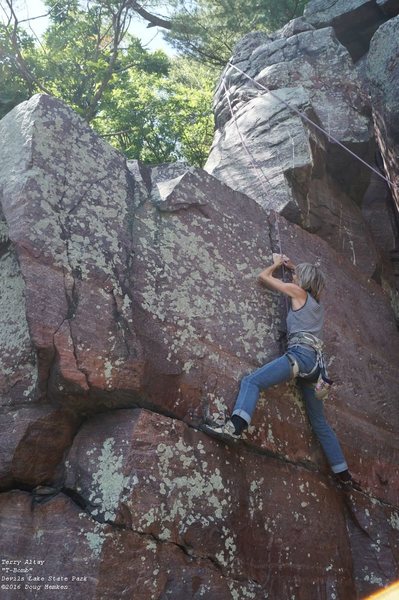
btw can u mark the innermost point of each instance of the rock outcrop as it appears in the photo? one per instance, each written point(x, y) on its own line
point(130, 310)
point(287, 164)
point(273, 90)
point(354, 21)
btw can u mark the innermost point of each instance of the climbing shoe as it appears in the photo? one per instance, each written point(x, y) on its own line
point(226, 432)
point(347, 482)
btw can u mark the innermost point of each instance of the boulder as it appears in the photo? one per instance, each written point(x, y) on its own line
point(71, 243)
point(33, 443)
point(374, 542)
point(336, 97)
point(283, 148)
point(163, 479)
point(291, 28)
point(18, 368)
point(299, 60)
point(354, 21)
point(66, 554)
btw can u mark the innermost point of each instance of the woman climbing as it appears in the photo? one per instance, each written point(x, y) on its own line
point(303, 360)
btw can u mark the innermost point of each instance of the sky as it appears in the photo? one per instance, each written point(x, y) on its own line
point(150, 38)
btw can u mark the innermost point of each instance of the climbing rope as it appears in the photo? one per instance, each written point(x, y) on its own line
point(306, 118)
point(258, 173)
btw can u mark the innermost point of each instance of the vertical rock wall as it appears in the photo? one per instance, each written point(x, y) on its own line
point(320, 66)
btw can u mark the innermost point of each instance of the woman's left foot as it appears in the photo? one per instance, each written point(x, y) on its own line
point(226, 432)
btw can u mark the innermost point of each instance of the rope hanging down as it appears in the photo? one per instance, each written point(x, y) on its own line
point(257, 171)
point(305, 118)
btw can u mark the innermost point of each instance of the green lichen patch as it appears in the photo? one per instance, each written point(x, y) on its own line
point(17, 360)
point(108, 481)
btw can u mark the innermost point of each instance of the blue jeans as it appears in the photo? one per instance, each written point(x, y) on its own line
point(278, 371)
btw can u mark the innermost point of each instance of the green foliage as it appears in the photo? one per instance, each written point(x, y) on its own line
point(14, 87)
point(162, 118)
point(208, 29)
point(82, 56)
point(150, 106)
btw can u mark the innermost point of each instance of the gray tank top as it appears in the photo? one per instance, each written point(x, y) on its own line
point(309, 318)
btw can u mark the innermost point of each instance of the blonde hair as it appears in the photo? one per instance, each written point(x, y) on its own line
point(311, 279)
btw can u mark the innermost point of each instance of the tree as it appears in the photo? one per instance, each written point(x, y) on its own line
point(86, 55)
point(151, 107)
point(162, 118)
point(81, 53)
point(148, 105)
point(207, 30)
point(14, 87)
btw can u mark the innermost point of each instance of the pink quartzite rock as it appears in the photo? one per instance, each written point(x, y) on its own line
point(132, 307)
point(69, 218)
point(361, 342)
point(33, 442)
point(63, 545)
point(373, 530)
point(163, 479)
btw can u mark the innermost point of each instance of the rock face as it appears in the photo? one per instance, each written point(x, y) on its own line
point(269, 152)
point(295, 118)
point(383, 71)
point(131, 310)
point(355, 21)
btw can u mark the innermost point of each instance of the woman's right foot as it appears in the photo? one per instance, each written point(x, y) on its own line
point(347, 482)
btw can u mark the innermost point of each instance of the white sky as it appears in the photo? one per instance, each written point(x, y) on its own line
point(150, 38)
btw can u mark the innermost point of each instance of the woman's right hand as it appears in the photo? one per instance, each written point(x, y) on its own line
point(287, 262)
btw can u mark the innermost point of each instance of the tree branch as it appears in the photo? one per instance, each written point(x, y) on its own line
point(19, 59)
point(112, 133)
point(118, 22)
point(153, 20)
point(294, 11)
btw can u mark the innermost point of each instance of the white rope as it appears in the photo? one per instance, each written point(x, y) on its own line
point(257, 171)
point(305, 118)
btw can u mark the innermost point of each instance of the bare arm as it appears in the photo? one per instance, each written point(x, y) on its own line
point(292, 290)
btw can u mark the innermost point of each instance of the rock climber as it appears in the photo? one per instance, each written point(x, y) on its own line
point(303, 360)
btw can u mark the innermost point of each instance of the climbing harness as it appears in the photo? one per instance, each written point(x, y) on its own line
point(323, 384)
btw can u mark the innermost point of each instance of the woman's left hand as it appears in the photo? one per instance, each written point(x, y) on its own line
point(278, 259)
